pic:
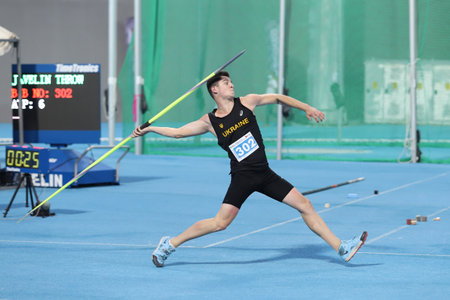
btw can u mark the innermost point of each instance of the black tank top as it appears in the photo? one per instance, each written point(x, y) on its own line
point(238, 133)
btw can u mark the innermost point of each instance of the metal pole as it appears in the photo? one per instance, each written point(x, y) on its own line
point(19, 94)
point(112, 69)
point(413, 83)
point(280, 79)
point(138, 80)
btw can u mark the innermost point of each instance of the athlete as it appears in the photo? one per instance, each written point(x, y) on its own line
point(234, 124)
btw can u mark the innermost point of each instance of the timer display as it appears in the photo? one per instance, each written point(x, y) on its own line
point(26, 159)
point(60, 103)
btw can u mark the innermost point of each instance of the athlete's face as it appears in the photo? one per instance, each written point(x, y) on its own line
point(225, 87)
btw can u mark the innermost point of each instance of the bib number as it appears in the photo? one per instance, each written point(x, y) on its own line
point(244, 146)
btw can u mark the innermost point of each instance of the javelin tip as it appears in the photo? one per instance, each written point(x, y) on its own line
point(230, 61)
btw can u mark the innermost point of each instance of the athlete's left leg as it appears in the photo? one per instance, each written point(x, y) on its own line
point(296, 200)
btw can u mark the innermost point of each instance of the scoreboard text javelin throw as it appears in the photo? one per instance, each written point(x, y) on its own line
point(46, 85)
point(54, 98)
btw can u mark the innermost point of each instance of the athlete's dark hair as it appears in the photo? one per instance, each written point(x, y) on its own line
point(213, 80)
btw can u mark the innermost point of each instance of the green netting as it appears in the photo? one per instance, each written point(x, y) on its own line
point(349, 58)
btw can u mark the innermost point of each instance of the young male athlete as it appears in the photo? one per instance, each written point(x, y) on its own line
point(234, 124)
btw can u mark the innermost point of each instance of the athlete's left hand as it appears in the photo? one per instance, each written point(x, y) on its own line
point(312, 112)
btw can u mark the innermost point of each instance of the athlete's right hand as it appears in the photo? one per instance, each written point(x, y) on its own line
point(139, 132)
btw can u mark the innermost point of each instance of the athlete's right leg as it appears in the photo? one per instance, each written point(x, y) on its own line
point(167, 245)
point(224, 217)
point(237, 192)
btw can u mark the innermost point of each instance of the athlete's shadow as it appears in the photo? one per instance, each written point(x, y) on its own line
point(302, 252)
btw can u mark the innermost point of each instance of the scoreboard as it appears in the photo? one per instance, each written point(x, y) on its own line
point(27, 159)
point(60, 106)
point(60, 103)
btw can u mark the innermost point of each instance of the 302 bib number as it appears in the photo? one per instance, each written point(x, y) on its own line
point(243, 147)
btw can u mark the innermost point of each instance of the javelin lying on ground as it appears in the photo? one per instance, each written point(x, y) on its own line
point(333, 186)
point(146, 124)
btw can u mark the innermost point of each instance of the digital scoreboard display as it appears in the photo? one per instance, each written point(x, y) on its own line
point(60, 103)
point(26, 159)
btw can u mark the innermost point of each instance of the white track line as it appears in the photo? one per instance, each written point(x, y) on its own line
point(251, 232)
point(75, 243)
point(386, 234)
point(404, 254)
point(385, 192)
point(60, 243)
point(403, 227)
point(327, 210)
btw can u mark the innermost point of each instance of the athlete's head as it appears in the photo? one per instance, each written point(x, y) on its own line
point(214, 81)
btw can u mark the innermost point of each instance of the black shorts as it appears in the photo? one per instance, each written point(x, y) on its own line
point(267, 182)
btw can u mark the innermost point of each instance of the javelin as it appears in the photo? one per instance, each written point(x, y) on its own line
point(146, 124)
point(333, 186)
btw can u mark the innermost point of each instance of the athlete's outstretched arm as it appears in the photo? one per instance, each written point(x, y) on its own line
point(198, 127)
point(253, 100)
